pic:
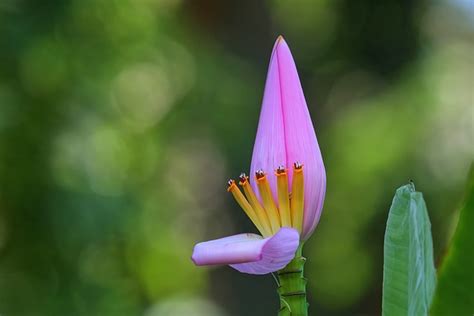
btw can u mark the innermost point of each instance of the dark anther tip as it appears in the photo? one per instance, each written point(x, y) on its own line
point(281, 169)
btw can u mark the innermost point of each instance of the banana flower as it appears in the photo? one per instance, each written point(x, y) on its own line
point(284, 195)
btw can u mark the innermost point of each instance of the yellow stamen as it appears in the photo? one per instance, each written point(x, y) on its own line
point(244, 204)
point(258, 208)
point(283, 197)
point(268, 202)
point(297, 197)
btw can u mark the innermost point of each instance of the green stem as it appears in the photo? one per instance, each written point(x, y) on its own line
point(292, 287)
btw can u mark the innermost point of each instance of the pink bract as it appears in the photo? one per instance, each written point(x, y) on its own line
point(286, 135)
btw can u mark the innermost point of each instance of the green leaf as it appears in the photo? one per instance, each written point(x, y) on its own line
point(409, 275)
point(455, 292)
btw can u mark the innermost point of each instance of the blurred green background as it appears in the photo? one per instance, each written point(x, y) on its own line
point(120, 122)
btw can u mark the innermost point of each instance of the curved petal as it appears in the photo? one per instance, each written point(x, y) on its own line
point(300, 138)
point(275, 254)
point(233, 249)
point(269, 149)
point(249, 253)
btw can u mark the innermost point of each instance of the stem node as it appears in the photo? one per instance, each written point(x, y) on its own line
point(292, 287)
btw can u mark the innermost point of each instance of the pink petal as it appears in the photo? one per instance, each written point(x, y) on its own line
point(269, 149)
point(233, 249)
point(249, 253)
point(286, 134)
point(300, 138)
point(276, 253)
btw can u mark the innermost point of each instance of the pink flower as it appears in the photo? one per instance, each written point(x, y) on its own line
point(286, 197)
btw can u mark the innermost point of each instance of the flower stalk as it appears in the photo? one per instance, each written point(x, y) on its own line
point(292, 287)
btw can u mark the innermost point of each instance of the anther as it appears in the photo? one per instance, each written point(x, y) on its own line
point(244, 204)
point(297, 197)
point(267, 200)
point(255, 203)
point(230, 183)
point(281, 169)
point(283, 196)
point(243, 178)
